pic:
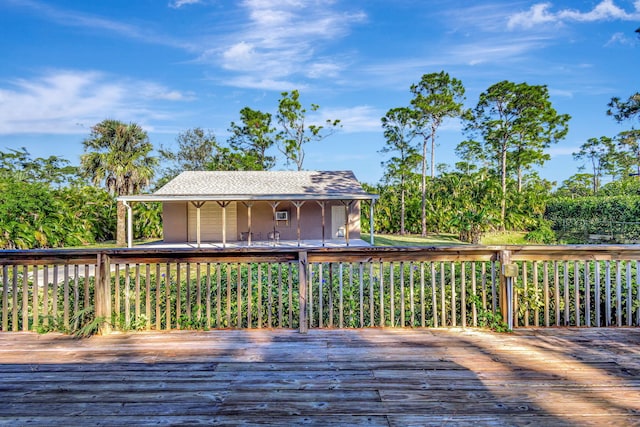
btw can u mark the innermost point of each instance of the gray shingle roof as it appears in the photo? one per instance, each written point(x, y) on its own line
point(262, 184)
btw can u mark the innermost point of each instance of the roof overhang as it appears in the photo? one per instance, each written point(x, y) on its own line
point(243, 198)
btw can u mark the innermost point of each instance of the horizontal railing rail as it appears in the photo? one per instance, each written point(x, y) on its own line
point(165, 289)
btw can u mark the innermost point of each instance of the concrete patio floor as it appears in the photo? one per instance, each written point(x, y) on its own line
point(283, 244)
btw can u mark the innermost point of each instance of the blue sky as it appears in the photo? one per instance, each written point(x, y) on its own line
point(174, 65)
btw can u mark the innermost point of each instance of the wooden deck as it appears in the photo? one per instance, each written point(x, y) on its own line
point(397, 377)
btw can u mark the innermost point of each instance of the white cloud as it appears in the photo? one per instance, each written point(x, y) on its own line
point(540, 14)
point(361, 118)
point(620, 39)
point(96, 23)
point(67, 102)
point(177, 4)
point(282, 39)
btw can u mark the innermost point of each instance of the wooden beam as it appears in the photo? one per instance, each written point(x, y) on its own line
point(274, 206)
point(322, 205)
point(198, 205)
point(224, 205)
point(248, 205)
point(298, 205)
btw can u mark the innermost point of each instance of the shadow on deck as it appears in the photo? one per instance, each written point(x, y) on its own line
point(384, 377)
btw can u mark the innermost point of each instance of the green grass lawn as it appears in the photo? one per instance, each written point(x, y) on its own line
point(435, 239)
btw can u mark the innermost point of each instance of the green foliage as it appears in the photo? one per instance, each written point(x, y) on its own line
point(575, 219)
point(488, 318)
point(253, 137)
point(510, 128)
point(197, 150)
point(543, 234)
point(295, 131)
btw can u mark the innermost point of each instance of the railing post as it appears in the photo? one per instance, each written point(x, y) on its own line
point(302, 280)
point(103, 293)
point(507, 272)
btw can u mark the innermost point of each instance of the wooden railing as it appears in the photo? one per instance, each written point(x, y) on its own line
point(142, 289)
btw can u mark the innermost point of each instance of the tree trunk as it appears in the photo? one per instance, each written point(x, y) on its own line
point(503, 202)
point(423, 232)
point(402, 207)
point(121, 228)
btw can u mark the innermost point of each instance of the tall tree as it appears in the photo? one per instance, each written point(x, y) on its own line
point(515, 123)
point(436, 97)
point(197, 151)
point(629, 151)
point(117, 156)
point(625, 110)
point(253, 137)
point(295, 133)
point(405, 158)
point(600, 153)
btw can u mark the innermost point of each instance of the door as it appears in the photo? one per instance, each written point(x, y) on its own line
point(338, 222)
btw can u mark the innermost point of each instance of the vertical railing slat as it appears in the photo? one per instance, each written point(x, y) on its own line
point(607, 284)
point(372, 320)
point(402, 298)
point(147, 295)
point(463, 294)
point(536, 310)
point(361, 293)
point(137, 300)
point(381, 296)
point(618, 294)
point(453, 295)
point(239, 296)
point(597, 293)
point(411, 302)
point(434, 295)
point(179, 295)
point(320, 294)
point(158, 297)
point(576, 290)
point(587, 295)
point(423, 320)
point(566, 293)
point(443, 301)
point(167, 289)
point(25, 298)
point(259, 285)
point(249, 296)
point(36, 299)
point(629, 286)
point(392, 313)
point(5, 298)
point(545, 285)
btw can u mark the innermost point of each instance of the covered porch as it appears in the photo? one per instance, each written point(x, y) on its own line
point(258, 208)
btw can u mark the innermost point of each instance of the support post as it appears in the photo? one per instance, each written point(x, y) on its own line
point(198, 205)
point(103, 294)
point(507, 272)
point(224, 205)
point(302, 280)
point(298, 205)
point(274, 206)
point(322, 204)
point(249, 205)
point(129, 224)
point(373, 203)
point(347, 212)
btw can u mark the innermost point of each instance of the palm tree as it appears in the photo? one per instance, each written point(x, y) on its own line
point(117, 157)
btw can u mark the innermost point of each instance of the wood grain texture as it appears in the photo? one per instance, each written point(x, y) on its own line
point(397, 377)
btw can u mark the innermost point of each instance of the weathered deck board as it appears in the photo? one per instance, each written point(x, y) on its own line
point(397, 377)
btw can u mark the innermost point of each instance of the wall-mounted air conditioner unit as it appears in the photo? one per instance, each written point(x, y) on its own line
point(282, 216)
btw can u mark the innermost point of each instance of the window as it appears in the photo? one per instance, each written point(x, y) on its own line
point(282, 216)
